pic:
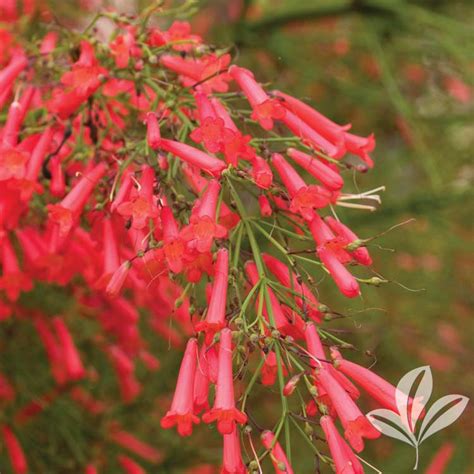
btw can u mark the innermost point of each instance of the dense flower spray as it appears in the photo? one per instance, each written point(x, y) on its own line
point(169, 217)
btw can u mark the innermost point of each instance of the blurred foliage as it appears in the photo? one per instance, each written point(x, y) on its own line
point(404, 70)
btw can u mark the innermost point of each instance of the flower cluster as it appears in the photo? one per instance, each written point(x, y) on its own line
point(130, 178)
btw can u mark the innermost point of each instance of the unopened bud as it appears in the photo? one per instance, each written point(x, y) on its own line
point(308, 429)
point(275, 334)
point(354, 245)
point(322, 308)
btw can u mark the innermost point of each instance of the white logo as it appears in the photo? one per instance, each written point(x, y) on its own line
point(403, 425)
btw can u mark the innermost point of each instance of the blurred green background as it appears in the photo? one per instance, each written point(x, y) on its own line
point(403, 70)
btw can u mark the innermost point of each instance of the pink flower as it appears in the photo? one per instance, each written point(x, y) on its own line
point(265, 207)
point(278, 456)
point(15, 452)
point(232, 456)
point(202, 382)
point(181, 412)
point(117, 279)
point(321, 171)
point(346, 283)
point(153, 135)
point(194, 157)
point(303, 198)
point(261, 172)
point(215, 316)
point(265, 109)
point(173, 245)
point(224, 411)
point(344, 459)
point(441, 459)
point(356, 425)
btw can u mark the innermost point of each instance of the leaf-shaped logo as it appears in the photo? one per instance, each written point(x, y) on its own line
point(390, 424)
point(410, 412)
point(433, 423)
point(402, 425)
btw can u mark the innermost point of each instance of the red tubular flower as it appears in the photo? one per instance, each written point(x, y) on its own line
point(321, 171)
point(57, 185)
point(129, 465)
point(15, 452)
point(290, 386)
point(265, 207)
point(307, 301)
point(194, 157)
point(360, 146)
point(124, 368)
point(378, 388)
point(265, 109)
point(308, 135)
point(201, 382)
point(356, 425)
point(293, 328)
point(117, 279)
point(360, 254)
point(141, 208)
point(12, 163)
point(203, 229)
point(269, 371)
point(224, 410)
point(346, 282)
point(215, 316)
point(261, 173)
point(12, 281)
point(303, 198)
point(72, 360)
point(91, 469)
point(441, 459)
point(278, 456)
point(111, 258)
point(344, 459)
point(181, 412)
point(126, 186)
point(10, 72)
point(317, 121)
point(132, 443)
point(315, 348)
point(153, 135)
point(68, 210)
point(232, 456)
point(173, 245)
point(12, 125)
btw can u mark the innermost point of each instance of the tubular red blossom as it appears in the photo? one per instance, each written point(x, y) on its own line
point(124, 367)
point(9, 73)
point(173, 245)
point(278, 456)
point(261, 173)
point(12, 126)
point(12, 163)
point(330, 178)
point(264, 108)
point(303, 198)
point(111, 258)
point(72, 361)
point(356, 425)
point(290, 386)
point(360, 254)
point(141, 208)
point(15, 452)
point(57, 186)
point(344, 459)
point(215, 316)
point(67, 211)
point(232, 456)
point(201, 382)
point(124, 190)
point(310, 136)
point(12, 281)
point(361, 147)
point(307, 301)
point(194, 157)
point(117, 279)
point(317, 121)
point(265, 207)
point(91, 469)
point(129, 465)
point(346, 282)
point(224, 411)
point(270, 368)
point(203, 229)
point(153, 135)
point(181, 412)
point(441, 459)
point(378, 388)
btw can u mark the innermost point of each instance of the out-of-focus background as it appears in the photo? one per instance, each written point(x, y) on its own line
point(403, 70)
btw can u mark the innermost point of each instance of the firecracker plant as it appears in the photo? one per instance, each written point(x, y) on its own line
point(161, 188)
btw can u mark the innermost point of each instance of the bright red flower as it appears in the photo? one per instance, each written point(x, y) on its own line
point(215, 316)
point(441, 459)
point(15, 452)
point(277, 455)
point(265, 207)
point(153, 135)
point(232, 455)
point(181, 412)
point(224, 411)
point(261, 172)
point(344, 459)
